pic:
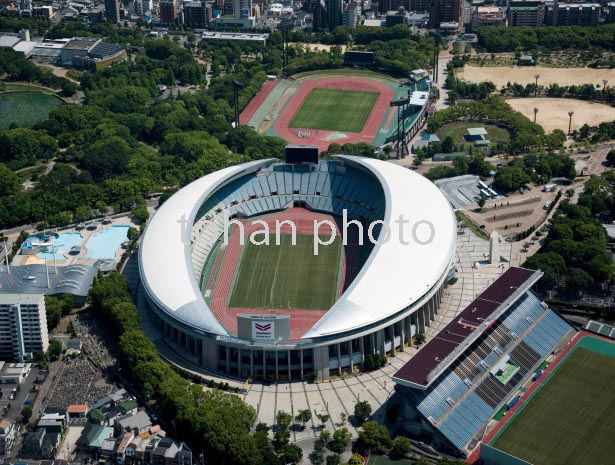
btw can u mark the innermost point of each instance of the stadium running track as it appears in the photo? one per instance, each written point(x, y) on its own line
point(510, 414)
point(301, 320)
point(319, 137)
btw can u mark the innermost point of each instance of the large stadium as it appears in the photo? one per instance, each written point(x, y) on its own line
point(270, 270)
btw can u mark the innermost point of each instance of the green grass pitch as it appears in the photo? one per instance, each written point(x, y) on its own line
point(287, 276)
point(335, 110)
point(569, 420)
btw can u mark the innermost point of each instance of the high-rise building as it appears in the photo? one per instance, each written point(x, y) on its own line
point(526, 13)
point(572, 14)
point(112, 11)
point(23, 326)
point(334, 13)
point(420, 5)
point(443, 11)
point(140, 7)
point(197, 14)
point(168, 11)
point(351, 15)
point(610, 13)
point(319, 15)
point(242, 8)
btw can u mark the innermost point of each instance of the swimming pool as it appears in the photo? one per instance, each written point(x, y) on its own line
point(61, 242)
point(105, 243)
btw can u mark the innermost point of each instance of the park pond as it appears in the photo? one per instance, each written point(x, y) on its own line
point(25, 108)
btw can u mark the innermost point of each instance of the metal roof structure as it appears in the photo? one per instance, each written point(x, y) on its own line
point(471, 323)
point(477, 131)
point(399, 272)
point(32, 279)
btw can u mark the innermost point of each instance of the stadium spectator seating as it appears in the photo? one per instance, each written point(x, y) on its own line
point(467, 394)
point(327, 187)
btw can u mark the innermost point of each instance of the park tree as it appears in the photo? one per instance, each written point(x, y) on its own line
point(402, 446)
point(55, 349)
point(26, 414)
point(341, 439)
point(356, 459)
point(9, 181)
point(323, 418)
point(292, 453)
point(362, 411)
point(283, 419)
point(481, 202)
point(374, 437)
point(304, 416)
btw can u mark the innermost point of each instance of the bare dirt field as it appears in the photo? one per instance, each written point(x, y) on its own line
point(500, 76)
point(553, 112)
point(319, 47)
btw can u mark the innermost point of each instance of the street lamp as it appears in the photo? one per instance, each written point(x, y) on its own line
point(604, 83)
point(536, 77)
point(570, 114)
point(535, 112)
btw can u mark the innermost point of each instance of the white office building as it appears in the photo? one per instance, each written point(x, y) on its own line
point(23, 326)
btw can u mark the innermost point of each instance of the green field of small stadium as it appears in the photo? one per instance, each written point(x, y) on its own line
point(288, 277)
point(567, 420)
point(335, 110)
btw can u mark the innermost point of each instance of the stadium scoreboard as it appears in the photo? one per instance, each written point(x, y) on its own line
point(359, 58)
point(296, 154)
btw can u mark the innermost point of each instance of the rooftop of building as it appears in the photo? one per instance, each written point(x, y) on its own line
point(473, 321)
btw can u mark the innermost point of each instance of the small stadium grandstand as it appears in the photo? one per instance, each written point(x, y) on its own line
point(278, 310)
point(458, 381)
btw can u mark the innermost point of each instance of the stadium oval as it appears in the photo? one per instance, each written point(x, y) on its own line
point(382, 302)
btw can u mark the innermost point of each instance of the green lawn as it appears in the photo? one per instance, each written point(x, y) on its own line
point(25, 108)
point(458, 130)
point(335, 110)
point(287, 276)
point(569, 420)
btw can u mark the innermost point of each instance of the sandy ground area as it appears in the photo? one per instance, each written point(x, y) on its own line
point(319, 47)
point(553, 112)
point(500, 76)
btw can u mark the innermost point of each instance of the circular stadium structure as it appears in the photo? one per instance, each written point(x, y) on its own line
point(268, 270)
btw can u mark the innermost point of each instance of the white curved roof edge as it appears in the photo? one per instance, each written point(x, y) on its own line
point(396, 275)
point(386, 282)
point(165, 261)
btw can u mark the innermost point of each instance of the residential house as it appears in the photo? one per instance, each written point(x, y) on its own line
point(51, 445)
point(7, 436)
point(135, 423)
point(33, 442)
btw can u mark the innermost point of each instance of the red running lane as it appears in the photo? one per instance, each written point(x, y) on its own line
point(301, 319)
point(474, 456)
point(317, 137)
point(256, 102)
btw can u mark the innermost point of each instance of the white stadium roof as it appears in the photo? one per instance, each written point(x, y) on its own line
point(394, 276)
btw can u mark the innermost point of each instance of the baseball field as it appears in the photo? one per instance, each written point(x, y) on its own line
point(567, 421)
point(286, 276)
point(335, 110)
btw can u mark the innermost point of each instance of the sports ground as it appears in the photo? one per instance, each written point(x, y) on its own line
point(335, 110)
point(562, 419)
point(280, 279)
point(324, 109)
point(288, 276)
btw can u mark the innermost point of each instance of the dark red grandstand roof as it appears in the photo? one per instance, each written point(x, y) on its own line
point(429, 357)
